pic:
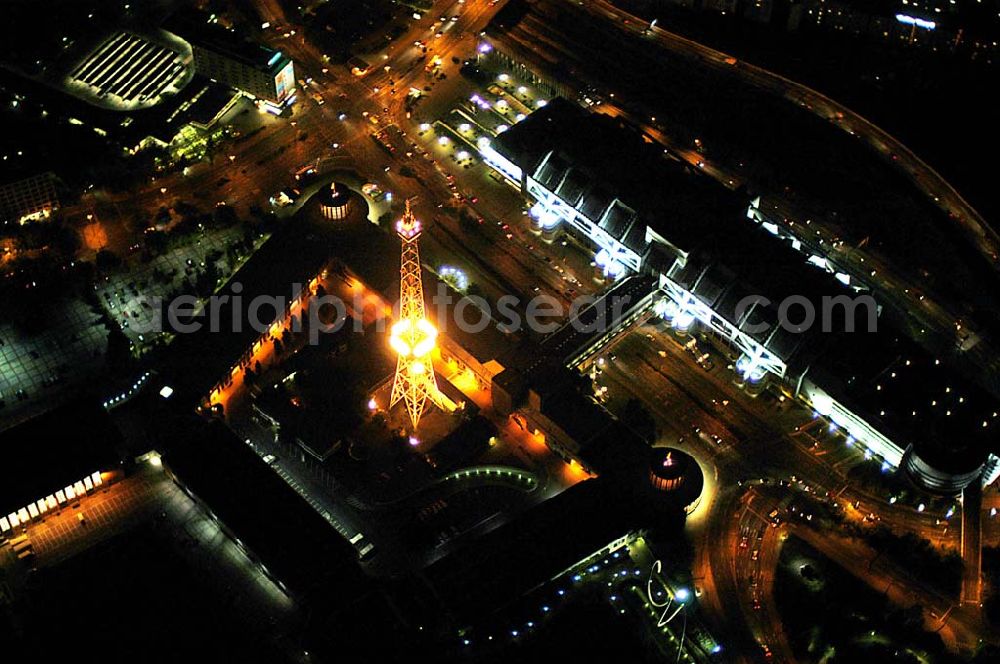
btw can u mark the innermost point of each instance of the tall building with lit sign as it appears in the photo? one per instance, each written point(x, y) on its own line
point(224, 56)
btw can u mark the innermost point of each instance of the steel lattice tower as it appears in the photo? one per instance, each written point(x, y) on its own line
point(413, 337)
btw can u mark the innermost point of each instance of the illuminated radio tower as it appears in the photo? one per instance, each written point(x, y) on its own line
point(412, 336)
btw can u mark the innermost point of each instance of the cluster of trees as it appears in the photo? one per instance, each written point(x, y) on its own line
point(920, 557)
point(193, 221)
point(991, 570)
point(908, 550)
point(336, 27)
point(870, 477)
point(833, 616)
point(477, 75)
point(42, 270)
point(637, 417)
point(53, 235)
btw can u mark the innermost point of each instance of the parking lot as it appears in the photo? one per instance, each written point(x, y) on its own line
point(473, 122)
point(128, 295)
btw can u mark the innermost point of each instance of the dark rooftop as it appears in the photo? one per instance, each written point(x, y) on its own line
point(194, 27)
point(669, 463)
point(606, 445)
point(199, 101)
point(277, 525)
point(294, 254)
point(915, 397)
point(335, 195)
point(468, 441)
point(55, 450)
point(534, 548)
point(886, 378)
point(599, 164)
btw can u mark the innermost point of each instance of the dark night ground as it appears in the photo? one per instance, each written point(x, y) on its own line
point(929, 100)
point(588, 629)
point(131, 599)
point(828, 612)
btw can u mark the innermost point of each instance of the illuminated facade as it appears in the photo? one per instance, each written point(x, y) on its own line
point(272, 83)
point(676, 474)
point(52, 503)
point(710, 250)
point(335, 202)
point(54, 461)
point(413, 337)
point(660, 474)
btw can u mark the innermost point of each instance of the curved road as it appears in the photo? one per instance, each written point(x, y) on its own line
point(923, 176)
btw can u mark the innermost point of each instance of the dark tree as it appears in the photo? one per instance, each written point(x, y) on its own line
point(107, 260)
point(638, 418)
point(119, 352)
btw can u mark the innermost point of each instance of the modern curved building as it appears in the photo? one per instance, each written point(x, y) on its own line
point(335, 201)
point(942, 469)
point(676, 473)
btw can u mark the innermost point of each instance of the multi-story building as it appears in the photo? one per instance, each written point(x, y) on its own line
point(224, 56)
point(729, 276)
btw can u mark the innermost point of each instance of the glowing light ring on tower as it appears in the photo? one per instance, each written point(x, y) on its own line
point(411, 339)
point(408, 230)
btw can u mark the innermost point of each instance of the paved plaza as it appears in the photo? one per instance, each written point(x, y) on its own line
point(127, 295)
point(35, 369)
